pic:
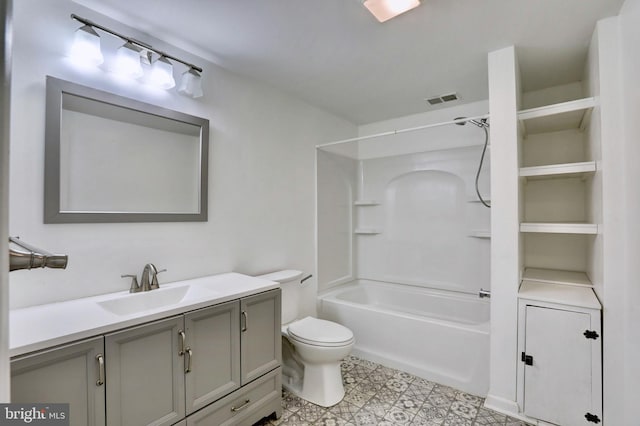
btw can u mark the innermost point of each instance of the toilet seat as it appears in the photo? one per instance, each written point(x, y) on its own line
point(317, 332)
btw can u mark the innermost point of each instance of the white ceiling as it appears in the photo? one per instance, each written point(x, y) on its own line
point(334, 54)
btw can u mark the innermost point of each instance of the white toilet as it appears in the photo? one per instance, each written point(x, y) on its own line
point(311, 348)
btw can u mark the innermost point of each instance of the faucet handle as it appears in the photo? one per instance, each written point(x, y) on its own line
point(134, 283)
point(154, 279)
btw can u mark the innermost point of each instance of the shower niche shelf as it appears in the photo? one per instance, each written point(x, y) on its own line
point(365, 203)
point(551, 118)
point(479, 233)
point(559, 228)
point(476, 200)
point(366, 231)
point(555, 276)
point(582, 169)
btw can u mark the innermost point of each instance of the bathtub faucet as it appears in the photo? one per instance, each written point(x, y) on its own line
point(484, 293)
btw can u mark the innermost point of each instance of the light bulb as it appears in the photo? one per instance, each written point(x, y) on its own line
point(86, 46)
point(162, 73)
point(127, 61)
point(191, 84)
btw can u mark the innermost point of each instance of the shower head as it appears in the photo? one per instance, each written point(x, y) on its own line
point(461, 121)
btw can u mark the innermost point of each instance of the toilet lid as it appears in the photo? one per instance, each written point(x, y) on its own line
point(320, 332)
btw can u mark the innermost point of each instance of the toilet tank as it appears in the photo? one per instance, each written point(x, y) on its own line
point(289, 280)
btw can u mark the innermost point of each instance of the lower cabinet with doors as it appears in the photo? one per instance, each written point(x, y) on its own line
point(560, 354)
point(212, 366)
point(72, 374)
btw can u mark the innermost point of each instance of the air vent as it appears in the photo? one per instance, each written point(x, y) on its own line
point(442, 98)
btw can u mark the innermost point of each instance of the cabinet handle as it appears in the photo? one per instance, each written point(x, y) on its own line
point(245, 319)
point(189, 352)
point(100, 359)
point(246, 403)
point(182, 342)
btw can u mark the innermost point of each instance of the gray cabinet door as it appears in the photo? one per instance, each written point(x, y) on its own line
point(145, 374)
point(64, 375)
point(213, 339)
point(557, 385)
point(261, 347)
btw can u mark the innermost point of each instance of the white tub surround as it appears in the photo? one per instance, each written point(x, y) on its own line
point(53, 324)
point(438, 335)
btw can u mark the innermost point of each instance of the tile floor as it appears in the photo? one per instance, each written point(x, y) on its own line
point(378, 395)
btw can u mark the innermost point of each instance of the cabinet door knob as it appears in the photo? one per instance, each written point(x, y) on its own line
point(100, 359)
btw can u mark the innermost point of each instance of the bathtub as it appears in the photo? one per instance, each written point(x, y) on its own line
point(438, 335)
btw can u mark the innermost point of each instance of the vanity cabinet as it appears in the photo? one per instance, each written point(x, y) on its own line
point(259, 374)
point(560, 350)
point(145, 375)
point(219, 365)
point(261, 339)
point(69, 374)
point(213, 340)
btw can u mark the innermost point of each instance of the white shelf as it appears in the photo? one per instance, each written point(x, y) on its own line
point(476, 200)
point(366, 203)
point(478, 233)
point(583, 297)
point(366, 231)
point(553, 118)
point(559, 170)
point(559, 228)
point(555, 276)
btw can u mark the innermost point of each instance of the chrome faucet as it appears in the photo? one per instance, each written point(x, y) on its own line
point(149, 278)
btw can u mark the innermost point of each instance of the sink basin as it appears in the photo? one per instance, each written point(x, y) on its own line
point(154, 299)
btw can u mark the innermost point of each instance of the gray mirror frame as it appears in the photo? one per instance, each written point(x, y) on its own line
point(56, 88)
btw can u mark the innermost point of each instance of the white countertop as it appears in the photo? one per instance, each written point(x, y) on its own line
point(40, 327)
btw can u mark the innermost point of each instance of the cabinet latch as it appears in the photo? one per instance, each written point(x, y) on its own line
point(592, 418)
point(590, 334)
point(527, 359)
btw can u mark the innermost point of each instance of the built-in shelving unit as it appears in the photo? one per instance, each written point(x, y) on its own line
point(479, 233)
point(554, 276)
point(582, 169)
point(551, 118)
point(559, 228)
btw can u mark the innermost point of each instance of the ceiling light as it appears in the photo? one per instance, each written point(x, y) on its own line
point(384, 10)
point(128, 61)
point(191, 84)
point(162, 73)
point(86, 46)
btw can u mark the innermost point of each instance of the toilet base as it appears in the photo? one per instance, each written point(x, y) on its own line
point(321, 384)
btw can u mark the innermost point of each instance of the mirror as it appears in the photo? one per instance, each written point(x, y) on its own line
point(113, 159)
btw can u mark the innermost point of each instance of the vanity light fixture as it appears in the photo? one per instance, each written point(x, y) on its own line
point(86, 48)
point(384, 10)
point(191, 84)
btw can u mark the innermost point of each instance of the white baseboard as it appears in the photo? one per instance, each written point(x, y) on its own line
point(502, 405)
